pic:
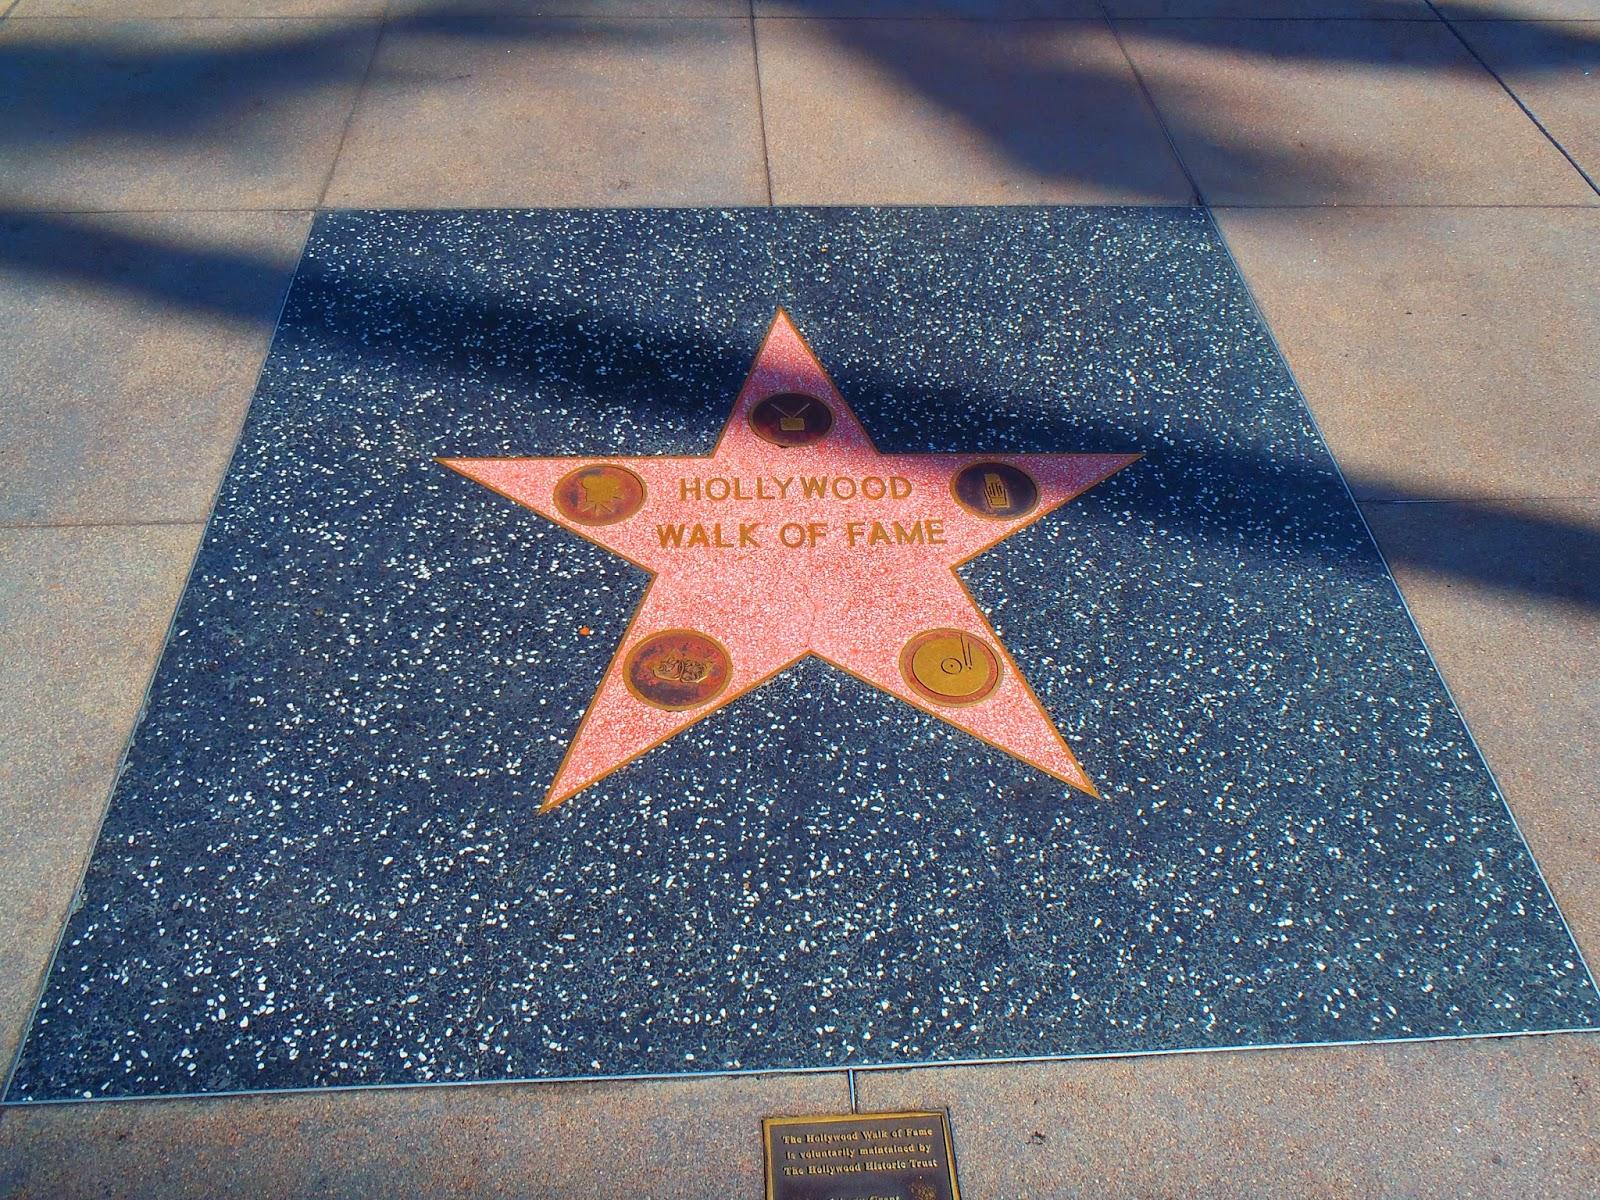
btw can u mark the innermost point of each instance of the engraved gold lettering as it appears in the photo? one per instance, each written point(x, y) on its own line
point(722, 488)
point(711, 537)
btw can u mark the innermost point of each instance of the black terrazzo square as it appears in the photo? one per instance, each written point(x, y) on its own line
point(325, 865)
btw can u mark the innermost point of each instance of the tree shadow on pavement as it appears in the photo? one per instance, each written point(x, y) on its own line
point(72, 90)
point(223, 283)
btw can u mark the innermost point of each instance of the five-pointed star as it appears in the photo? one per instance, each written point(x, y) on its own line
point(858, 569)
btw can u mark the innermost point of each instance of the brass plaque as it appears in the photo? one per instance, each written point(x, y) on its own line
point(996, 490)
point(948, 666)
point(600, 494)
point(791, 419)
point(864, 1156)
point(677, 669)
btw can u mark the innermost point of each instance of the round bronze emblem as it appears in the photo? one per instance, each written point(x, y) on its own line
point(948, 666)
point(599, 494)
point(995, 489)
point(678, 668)
point(791, 419)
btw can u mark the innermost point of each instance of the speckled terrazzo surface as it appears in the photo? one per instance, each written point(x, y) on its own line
point(323, 864)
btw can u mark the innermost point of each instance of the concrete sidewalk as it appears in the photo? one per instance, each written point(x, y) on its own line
point(1408, 190)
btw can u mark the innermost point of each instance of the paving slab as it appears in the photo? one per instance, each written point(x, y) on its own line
point(993, 10)
point(138, 10)
point(132, 346)
point(401, 10)
point(476, 112)
point(1369, 10)
point(422, 12)
point(677, 1140)
point(1446, 352)
point(957, 112)
point(175, 114)
point(1508, 597)
point(1503, 1118)
point(1520, 10)
point(527, 719)
point(1343, 112)
point(1554, 68)
point(82, 616)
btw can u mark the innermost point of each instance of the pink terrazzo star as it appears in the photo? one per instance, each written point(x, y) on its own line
point(796, 537)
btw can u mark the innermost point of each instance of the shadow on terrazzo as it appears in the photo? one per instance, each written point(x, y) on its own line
point(228, 284)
